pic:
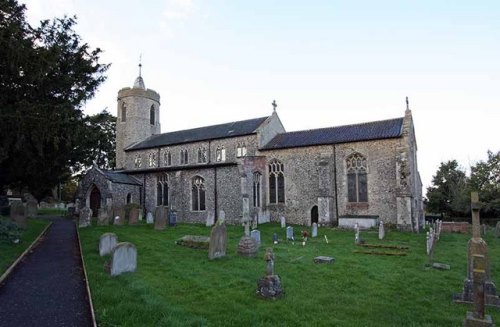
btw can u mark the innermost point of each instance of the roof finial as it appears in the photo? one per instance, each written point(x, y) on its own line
point(274, 105)
point(407, 104)
point(140, 64)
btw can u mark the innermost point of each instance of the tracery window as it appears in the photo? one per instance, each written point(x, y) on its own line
point(184, 157)
point(257, 177)
point(162, 190)
point(198, 194)
point(276, 182)
point(241, 150)
point(152, 115)
point(137, 161)
point(152, 159)
point(202, 155)
point(124, 112)
point(220, 154)
point(167, 158)
point(357, 184)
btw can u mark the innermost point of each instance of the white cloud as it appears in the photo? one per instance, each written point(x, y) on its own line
point(175, 13)
point(47, 9)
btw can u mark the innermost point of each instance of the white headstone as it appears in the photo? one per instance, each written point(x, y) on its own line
point(381, 231)
point(210, 219)
point(289, 233)
point(222, 216)
point(283, 222)
point(106, 243)
point(123, 258)
point(357, 240)
point(314, 232)
point(140, 215)
point(149, 218)
point(255, 234)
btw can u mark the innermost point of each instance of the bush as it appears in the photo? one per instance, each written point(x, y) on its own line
point(9, 232)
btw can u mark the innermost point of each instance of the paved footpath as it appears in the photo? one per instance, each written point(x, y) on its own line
point(47, 288)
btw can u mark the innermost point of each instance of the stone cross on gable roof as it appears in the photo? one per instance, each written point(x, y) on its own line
point(274, 104)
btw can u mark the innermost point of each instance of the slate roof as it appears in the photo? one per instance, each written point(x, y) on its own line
point(117, 177)
point(238, 128)
point(334, 135)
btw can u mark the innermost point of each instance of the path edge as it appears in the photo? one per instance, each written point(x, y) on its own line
point(13, 265)
point(89, 294)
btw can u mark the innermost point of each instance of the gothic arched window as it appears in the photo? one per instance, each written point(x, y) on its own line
point(220, 154)
point(167, 158)
point(198, 194)
point(152, 159)
point(137, 161)
point(162, 190)
point(152, 115)
point(124, 112)
point(357, 184)
point(202, 155)
point(276, 182)
point(257, 177)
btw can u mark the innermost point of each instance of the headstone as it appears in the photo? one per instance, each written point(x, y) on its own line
point(440, 266)
point(275, 238)
point(289, 233)
point(119, 214)
point(123, 258)
point(106, 243)
point(357, 239)
point(269, 286)
point(324, 259)
point(172, 218)
point(283, 222)
point(314, 232)
point(44, 205)
point(218, 241)
point(255, 234)
point(478, 317)
point(255, 223)
point(31, 208)
point(381, 231)
point(17, 214)
point(247, 247)
point(161, 217)
point(140, 215)
point(210, 220)
point(222, 215)
point(102, 217)
point(194, 241)
point(484, 229)
point(85, 217)
point(149, 218)
point(133, 216)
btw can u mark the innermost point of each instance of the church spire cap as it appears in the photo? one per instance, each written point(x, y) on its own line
point(139, 81)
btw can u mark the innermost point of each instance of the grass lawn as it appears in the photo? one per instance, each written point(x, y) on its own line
point(10, 252)
point(179, 286)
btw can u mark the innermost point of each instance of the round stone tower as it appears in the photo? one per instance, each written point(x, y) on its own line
point(138, 117)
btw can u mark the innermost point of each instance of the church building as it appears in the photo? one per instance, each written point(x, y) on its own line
point(362, 173)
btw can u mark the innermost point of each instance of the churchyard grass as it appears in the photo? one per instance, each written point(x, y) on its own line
point(9, 252)
point(179, 286)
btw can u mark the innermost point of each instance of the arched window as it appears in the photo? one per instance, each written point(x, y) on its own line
point(137, 161)
point(184, 157)
point(124, 113)
point(198, 194)
point(129, 198)
point(357, 184)
point(257, 177)
point(162, 190)
point(152, 159)
point(241, 150)
point(276, 182)
point(220, 154)
point(167, 158)
point(152, 115)
point(202, 155)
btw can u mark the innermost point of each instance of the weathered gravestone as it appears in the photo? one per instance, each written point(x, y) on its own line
point(289, 233)
point(477, 250)
point(149, 218)
point(478, 317)
point(247, 247)
point(357, 239)
point(255, 223)
point(140, 215)
point(133, 216)
point(324, 259)
point(314, 232)
point(31, 208)
point(119, 216)
point(283, 222)
point(222, 215)
point(102, 217)
point(269, 286)
point(123, 258)
point(194, 241)
point(210, 220)
point(85, 217)
point(172, 218)
point(161, 217)
point(17, 214)
point(107, 242)
point(381, 231)
point(255, 234)
point(218, 241)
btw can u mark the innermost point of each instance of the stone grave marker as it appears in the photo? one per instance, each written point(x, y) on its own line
point(210, 220)
point(283, 222)
point(478, 316)
point(106, 243)
point(85, 217)
point(102, 217)
point(194, 241)
point(324, 259)
point(314, 232)
point(123, 258)
point(275, 238)
point(381, 231)
point(161, 217)
point(149, 218)
point(357, 239)
point(222, 215)
point(140, 215)
point(255, 224)
point(31, 208)
point(119, 214)
point(218, 241)
point(247, 247)
point(289, 233)
point(133, 216)
point(255, 234)
point(269, 286)
point(17, 214)
point(172, 218)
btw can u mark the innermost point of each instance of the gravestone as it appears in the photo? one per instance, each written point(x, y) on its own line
point(140, 215)
point(106, 243)
point(478, 317)
point(283, 222)
point(119, 216)
point(381, 231)
point(222, 215)
point(275, 238)
point(161, 217)
point(31, 208)
point(269, 286)
point(194, 241)
point(477, 250)
point(85, 217)
point(324, 259)
point(357, 239)
point(102, 217)
point(255, 234)
point(314, 232)
point(255, 224)
point(123, 258)
point(133, 216)
point(17, 214)
point(210, 220)
point(172, 218)
point(149, 218)
point(247, 247)
point(218, 241)
point(484, 229)
point(289, 233)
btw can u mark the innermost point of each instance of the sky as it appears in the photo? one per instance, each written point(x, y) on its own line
point(326, 63)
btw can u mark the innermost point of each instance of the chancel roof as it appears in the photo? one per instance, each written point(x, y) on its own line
point(382, 129)
point(239, 128)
